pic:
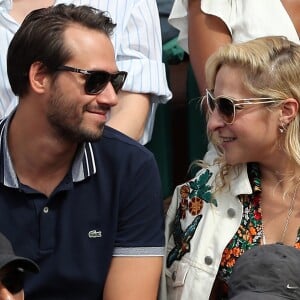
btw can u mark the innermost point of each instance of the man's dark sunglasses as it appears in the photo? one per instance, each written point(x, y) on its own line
point(96, 81)
point(13, 280)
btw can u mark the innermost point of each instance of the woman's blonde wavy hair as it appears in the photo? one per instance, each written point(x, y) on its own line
point(271, 68)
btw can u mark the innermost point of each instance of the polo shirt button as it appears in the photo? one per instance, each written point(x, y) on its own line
point(174, 276)
point(46, 210)
point(231, 213)
point(208, 260)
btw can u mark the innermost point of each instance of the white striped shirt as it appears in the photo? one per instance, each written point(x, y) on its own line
point(137, 44)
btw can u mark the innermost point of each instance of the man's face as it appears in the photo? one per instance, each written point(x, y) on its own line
point(75, 115)
point(11, 283)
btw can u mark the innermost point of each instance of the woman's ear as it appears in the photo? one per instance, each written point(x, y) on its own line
point(38, 77)
point(289, 111)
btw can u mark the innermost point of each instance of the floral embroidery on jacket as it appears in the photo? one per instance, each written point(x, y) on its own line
point(192, 195)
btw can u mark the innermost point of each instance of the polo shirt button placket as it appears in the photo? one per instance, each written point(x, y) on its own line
point(47, 225)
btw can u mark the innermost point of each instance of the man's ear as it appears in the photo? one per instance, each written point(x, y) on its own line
point(38, 77)
point(289, 111)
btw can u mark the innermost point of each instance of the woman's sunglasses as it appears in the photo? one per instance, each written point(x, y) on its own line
point(96, 81)
point(227, 106)
point(13, 280)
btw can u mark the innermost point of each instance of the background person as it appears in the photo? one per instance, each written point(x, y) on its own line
point(12, 271)
point(250, 196)
point(206, 25)
point(81, 199)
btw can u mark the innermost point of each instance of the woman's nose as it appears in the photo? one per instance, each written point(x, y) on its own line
point(215, 121)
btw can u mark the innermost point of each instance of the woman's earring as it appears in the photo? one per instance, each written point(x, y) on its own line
point(282, 128)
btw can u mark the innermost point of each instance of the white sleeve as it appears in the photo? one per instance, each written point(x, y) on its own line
point(224, 9)
point(140, 53)
point(178, 19)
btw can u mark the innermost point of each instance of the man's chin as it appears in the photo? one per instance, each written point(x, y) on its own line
point(93, 136)
point(85, 135)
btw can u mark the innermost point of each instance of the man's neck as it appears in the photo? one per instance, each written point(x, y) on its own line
point(40, 161)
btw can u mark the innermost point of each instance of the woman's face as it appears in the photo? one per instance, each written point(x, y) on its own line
point(254, 133)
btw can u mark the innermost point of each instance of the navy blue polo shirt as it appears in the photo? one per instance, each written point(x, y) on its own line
point(109, 204)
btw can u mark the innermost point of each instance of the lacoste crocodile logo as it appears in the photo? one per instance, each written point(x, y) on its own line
point(95, 234)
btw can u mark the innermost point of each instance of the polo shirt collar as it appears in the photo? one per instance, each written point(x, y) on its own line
point(83, 165)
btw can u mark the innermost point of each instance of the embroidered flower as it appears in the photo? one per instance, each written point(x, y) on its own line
point(195, 206)
point(184, 191)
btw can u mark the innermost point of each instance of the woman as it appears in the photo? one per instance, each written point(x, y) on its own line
point(206, 25)
point(251, 195)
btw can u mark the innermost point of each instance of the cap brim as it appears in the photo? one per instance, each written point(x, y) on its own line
point(22, 262)
point(256, 296)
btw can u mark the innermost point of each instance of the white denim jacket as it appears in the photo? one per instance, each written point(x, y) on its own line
point(203, 228)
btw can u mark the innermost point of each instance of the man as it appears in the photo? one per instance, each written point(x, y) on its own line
point(78, 197)
point(138, 50)
point(12, 271)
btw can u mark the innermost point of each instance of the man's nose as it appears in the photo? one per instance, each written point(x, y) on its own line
point(108, 96)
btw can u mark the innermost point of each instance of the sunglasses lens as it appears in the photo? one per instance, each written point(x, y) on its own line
point(96, 82)
point(118, 80)
point(14, 281)
point(226, 108)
